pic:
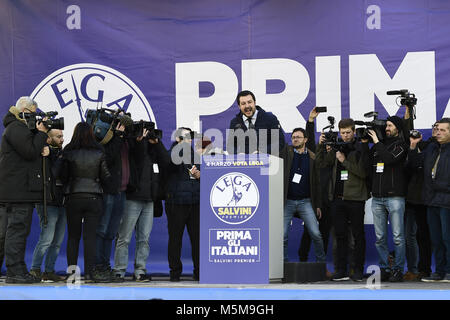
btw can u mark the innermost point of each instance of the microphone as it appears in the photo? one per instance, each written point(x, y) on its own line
point(397, 92)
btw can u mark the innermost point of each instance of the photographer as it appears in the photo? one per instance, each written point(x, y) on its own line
point(347, 191)
point(147, 157)
point(52, 232)
point(417, 234)
point(436, 168)
point(21, 185)
point(116, 151)
point(388, 195)
point(183, 203)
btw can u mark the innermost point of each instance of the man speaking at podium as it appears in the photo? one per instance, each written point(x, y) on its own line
point(252, 130)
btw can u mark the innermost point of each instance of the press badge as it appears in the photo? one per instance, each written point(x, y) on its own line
point(155, 168)
point(344, 175)
point(380, 167)
point(296, 178)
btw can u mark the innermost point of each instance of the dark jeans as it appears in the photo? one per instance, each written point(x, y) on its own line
point(422, 236)
point(108, 227)
point(345, 212)
point(18, 225)
point(83, 215)
point(439, 223)
point(324, 228)
point(179, 217)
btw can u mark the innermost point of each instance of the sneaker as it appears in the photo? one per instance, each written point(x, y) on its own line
point(422, 275)
point(36, 273)
point(385, 274)
point(357, 276)
point(446, 278)
point(410, 276)
point(21, 278)
point(51, 277)
point(396, 276)
point(117, 277)
point(435, 277)
point(340, 276)
point(100, 276)
point(142, 277)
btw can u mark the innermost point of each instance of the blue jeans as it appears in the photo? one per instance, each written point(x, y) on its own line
point(50, 238)
point(108, 226)
point(394, 207)
point(305, 211)
point(439, 224)
point(138, 216)
point(412, 246)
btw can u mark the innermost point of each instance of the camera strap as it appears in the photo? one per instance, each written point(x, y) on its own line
point(108, 136)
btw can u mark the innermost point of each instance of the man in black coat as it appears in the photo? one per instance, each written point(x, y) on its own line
point(388, 195)
point(21, 185)
point(254, 130)
point(148, 159)
point(435, 160)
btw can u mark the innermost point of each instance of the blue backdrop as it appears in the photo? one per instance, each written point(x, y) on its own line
point(181, 63)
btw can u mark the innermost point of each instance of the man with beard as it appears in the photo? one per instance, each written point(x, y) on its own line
point(388, 195)
point(301, 191)
point(254, 130)
point(347, 191)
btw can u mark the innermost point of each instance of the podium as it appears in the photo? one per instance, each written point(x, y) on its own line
point(241, 219)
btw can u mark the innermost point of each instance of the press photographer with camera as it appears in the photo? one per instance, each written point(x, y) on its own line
point(347, 191)
point(116, 151)
point(389, 184)
point(148, 159)
point(21, 184)
point(183, 202)
point(417, 234)
point(53, 225)
point(436, 168)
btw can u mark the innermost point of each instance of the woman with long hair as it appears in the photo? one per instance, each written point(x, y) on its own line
point(83, 173)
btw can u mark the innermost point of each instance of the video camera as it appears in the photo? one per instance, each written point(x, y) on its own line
point(35, 117)
point(407, 98)
point(103, 119)
point(139, 126)
point(331, 137)
point(376, 125)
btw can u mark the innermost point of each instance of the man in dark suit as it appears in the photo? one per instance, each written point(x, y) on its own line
point(254, 130)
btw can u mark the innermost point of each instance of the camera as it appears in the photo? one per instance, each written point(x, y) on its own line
point(415, 134)
point(103, 119)
point(51, 123)
point(139, 126)
point(376, 125)
point(331, 137)
point(407, 98)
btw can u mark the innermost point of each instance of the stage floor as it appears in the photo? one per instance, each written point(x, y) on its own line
point(161, 288)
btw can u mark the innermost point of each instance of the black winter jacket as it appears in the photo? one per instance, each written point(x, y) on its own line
point(114, 162)
point(437, 190)
point(181, 189)
point(144, 182)
point(84, 171)
point(392, 181)
point(21, 178)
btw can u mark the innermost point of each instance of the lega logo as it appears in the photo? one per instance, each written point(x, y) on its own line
point(234, 198)
point(74, 89)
